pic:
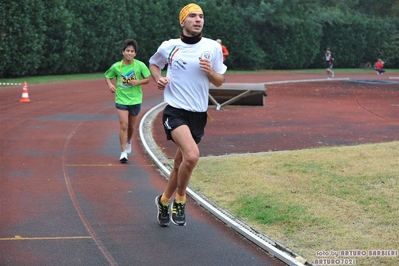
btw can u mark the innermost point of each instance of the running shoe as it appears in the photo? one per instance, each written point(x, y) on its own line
point(123, 158)
point(178, 216)
point(129, 147)
point(163, 216)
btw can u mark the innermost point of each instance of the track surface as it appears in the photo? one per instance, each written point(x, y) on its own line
point(66, 200)
point(302, 115)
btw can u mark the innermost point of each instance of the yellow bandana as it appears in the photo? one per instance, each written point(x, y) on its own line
point(187, 10)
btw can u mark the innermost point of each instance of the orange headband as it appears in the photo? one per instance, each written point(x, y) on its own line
point(187, 10)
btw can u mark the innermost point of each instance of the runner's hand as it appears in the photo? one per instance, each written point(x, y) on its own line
point(162, 82)
point(112, 88)
point(205, 66)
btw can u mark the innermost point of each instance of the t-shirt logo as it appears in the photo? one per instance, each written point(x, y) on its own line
point(179, 64)
point(207, 55)
point(125, 79)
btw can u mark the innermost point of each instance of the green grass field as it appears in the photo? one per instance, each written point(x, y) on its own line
point(338, 198)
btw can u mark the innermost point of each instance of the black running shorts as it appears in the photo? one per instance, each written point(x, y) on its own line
point(173, 118)
point(133, 109)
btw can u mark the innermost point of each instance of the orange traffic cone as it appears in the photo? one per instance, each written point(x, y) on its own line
point(25, 95)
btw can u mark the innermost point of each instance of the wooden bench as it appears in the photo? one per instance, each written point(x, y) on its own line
point(237, 94)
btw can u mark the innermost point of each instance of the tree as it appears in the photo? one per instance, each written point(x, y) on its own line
point(21, 48)
point(74, 36)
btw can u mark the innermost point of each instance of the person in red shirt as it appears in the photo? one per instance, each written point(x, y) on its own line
point(224, 50)
point(379, 67)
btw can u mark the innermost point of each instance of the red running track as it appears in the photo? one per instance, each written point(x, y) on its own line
point(66, 200)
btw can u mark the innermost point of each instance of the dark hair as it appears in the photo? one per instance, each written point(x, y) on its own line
point(129, 42)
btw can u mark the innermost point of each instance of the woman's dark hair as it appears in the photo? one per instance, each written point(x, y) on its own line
point(130, 42)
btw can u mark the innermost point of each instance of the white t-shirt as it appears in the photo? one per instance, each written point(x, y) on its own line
point(189, 85)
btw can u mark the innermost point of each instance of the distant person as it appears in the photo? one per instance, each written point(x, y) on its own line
point(193, 63)
point(224, 50)
point(329, 57)
point(130, 74)
point(379, 67)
